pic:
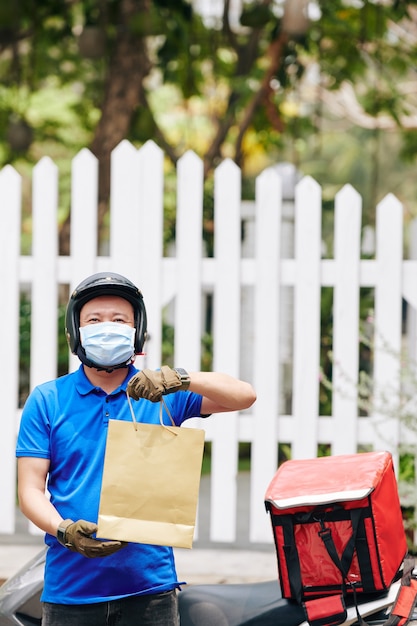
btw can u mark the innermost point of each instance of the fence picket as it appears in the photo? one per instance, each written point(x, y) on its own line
point(10, 224)
point(266, 374)
point(124, 208)
point(189, 251)
point(147, 269)
point(307, 317)
point(345, 319)
point(84, 220)
point(388, 322)
point(226, 346)
point(44, 319)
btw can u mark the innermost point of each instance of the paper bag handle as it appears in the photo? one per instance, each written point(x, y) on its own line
point(162, 402)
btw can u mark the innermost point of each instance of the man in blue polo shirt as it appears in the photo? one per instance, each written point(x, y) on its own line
point(61, 447)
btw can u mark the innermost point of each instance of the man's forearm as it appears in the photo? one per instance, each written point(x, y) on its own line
point(37, 508)
point(223, 390)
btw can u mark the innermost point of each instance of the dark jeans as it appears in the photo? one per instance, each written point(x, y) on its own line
point(159, 609)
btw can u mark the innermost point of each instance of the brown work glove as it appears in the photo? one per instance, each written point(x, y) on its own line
point(152, 385)
point(76, 536)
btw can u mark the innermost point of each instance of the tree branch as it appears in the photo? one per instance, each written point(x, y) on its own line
point(275, 54)
point(343, 103)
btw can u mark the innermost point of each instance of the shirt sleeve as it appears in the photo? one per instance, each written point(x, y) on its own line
point(33, 437)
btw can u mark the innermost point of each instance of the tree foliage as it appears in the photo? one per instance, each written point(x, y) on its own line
point(94, 72)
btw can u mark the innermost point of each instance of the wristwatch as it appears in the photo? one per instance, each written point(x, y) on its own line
point(184, 377)
point(62, 528)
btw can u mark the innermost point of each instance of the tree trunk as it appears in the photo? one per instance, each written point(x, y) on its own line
point(128, 66)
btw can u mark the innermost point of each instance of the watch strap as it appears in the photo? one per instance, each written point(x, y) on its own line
point(62, 528)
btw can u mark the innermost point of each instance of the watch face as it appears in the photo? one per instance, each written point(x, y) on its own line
point(184, 377)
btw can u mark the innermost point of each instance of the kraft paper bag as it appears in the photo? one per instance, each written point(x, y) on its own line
point(150, 483)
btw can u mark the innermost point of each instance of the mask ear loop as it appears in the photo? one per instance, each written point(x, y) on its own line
point(161, 404)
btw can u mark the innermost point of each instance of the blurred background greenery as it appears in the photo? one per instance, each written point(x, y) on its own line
point(326, 86)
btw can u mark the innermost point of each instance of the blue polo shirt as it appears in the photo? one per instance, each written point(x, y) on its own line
point(66, 421)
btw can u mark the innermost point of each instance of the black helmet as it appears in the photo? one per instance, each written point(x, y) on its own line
point(103, 284)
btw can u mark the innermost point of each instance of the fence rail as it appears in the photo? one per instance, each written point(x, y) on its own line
point(266, 306)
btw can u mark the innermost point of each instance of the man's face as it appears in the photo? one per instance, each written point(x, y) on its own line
point(107, 309)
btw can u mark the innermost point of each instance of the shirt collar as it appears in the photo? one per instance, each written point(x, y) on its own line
point(84, 386)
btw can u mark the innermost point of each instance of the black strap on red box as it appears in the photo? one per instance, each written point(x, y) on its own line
point(331, 610)
point(356, 544)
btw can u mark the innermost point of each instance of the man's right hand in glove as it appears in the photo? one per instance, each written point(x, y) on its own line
point(76, 536)
point(152, 385)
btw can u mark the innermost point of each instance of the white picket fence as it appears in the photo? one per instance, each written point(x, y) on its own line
point(247, 293)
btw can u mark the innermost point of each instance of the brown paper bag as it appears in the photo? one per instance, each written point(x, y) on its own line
point(150, 483)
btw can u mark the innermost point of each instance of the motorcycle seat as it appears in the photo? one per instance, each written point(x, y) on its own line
point(245, 604)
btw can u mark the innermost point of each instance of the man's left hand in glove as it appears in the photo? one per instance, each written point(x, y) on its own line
point(77, 537)
point(152, 385)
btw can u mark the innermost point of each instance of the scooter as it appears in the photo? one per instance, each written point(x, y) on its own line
point(248, 604)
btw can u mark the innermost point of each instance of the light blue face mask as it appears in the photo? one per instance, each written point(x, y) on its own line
point(108, 343)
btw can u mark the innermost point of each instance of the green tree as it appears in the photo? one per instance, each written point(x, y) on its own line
point(94, 72)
